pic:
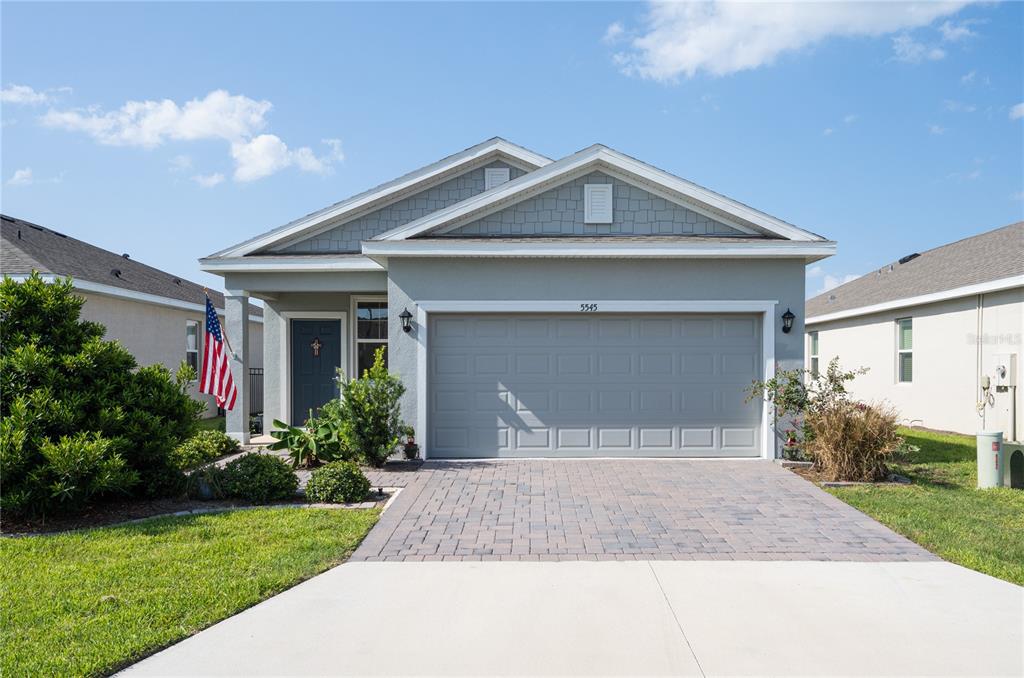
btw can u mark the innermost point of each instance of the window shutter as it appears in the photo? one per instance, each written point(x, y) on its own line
point(495, 176)
point(597, 199)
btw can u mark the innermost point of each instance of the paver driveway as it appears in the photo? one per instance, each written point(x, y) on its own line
point(629, 509)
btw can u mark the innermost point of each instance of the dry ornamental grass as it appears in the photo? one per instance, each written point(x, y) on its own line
point(851, 441)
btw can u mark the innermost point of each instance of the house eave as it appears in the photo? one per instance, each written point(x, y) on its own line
point(285, 264)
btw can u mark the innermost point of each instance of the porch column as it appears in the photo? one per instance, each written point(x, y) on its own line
point(236, 325)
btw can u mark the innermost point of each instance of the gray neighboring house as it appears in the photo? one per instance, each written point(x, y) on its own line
point(931, 328)
point(157, 316)
point(588, 306)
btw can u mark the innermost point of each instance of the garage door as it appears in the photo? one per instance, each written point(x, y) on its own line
point(528, 385)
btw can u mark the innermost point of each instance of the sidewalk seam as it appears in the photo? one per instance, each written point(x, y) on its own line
point(676, 618)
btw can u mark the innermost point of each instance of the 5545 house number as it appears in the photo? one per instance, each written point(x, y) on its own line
point(588, 308)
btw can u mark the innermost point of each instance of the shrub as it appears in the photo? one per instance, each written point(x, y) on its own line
point(259, 478)
point(318, 441)
point(203, 447)
point(853, 441)
point(336, 483)
point(369, 412)
point(59, 379)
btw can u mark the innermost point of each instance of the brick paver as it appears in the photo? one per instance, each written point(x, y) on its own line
point(630, 509)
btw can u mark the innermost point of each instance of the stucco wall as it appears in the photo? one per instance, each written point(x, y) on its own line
point(156, 334)
point(346, 238)
point(948, 358)
point(583, 281)
point(560, 212)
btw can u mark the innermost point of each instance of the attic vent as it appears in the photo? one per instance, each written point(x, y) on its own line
point(597, 203)
point(831, 298)
point(495, 176)
point(909, 257)
point(177, 281)
point(125, 256)
point(116, 272)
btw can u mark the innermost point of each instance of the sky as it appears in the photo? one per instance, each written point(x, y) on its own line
point(170, 131)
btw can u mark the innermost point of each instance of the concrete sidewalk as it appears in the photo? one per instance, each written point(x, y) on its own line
point(620, 618)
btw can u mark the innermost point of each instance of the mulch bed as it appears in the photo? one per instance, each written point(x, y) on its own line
point(819, 478)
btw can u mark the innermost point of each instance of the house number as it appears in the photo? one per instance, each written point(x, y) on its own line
point(588, 308)
point(315, 345)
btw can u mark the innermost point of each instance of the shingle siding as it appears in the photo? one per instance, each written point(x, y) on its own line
point(559, 211)
point(346, 238)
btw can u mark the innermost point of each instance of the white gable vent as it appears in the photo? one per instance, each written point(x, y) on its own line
point(495, 176)
point(597, 200)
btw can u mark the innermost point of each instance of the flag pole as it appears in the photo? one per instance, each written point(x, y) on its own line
point(223, 331)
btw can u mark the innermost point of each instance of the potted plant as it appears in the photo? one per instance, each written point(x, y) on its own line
point(411, 449)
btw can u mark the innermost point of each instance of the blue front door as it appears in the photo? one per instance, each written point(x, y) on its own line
point(316, 357)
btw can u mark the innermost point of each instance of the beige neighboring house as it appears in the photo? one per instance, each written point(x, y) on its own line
point(157, 316)
point(934, 328)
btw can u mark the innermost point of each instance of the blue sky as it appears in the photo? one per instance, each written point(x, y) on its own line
point(891, 128)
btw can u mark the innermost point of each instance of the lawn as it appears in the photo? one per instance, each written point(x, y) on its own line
point(944, 512)
point(211, 424)
point(90, 602)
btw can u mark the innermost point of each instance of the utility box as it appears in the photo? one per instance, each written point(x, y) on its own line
point(1004, 372)
point(1013, 465)
point(990, 459)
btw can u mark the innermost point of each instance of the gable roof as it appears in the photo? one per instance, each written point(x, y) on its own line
point(730, 212)
point(27, 247)
point(985, 262)
point(389, 192)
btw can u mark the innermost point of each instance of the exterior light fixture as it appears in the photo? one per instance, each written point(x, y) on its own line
point(406, 318)
point(787, 321)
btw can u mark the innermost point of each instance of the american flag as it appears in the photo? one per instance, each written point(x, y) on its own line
point(216, 379)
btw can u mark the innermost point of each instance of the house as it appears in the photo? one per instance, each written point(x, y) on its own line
point(157, 316)
point(940, 332)
point(589, 306)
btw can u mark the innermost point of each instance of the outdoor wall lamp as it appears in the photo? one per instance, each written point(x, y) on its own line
point(406, 318)
point(787, 321)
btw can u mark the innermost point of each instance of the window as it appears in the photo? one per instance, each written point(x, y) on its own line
point(597, 203)
point(814, 353)
point(904, 350)
point(371, 333)
point(192, 345)
point(495, 176)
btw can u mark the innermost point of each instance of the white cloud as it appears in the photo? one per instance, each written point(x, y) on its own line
point(1017, 112)
point(828, 281)
point(827, 131)
point(910, 51)
point(958, 106)
point(221, 116)
point(613, 33)
point(181, 163)
point(1018, 195)
point(208, 180)
point(936, 129)
point(968, 78)
point(720, 38)
point(850, 118)
point(22, 177)
point(955, 32)
point(22, 94)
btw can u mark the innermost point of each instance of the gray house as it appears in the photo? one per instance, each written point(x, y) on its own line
point(589, 306)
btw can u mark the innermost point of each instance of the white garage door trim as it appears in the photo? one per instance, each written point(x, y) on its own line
point(765, 307)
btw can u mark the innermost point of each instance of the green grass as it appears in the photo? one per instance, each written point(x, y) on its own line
point(90, 602)
point(944, 512)
point(211, 424)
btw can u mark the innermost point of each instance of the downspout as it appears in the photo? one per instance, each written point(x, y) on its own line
point(979, 322)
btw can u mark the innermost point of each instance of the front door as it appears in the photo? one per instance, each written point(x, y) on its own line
point(316, 357)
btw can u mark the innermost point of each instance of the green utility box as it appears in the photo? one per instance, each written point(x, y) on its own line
point(990, 459)
point(1013, 465)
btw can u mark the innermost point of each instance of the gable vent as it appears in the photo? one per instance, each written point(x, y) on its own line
point(597, 201)
point(495, 176)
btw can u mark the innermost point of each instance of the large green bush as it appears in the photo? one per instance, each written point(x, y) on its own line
point(259, 478)
point(337, 483)
point(78, 419)
point(203, 447)
point(369, 412)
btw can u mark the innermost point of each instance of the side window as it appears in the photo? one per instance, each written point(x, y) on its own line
point(905, 350)
point(814, 353)
point(371, 333)
point(192, 344)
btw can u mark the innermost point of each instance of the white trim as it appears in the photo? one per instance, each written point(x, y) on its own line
point(598, 216)
point(496, 176)
point(354, 330)
point(272, 264)
point(955, 293)
point(286, 347)
point(393, 190)
point(121, 293)
point(595, 157)
point(609, 247)
point(900, 351)
point(764, 307)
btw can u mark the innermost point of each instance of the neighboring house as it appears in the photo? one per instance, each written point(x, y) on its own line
point(589, 306)
point(157, 316)
point(931, 328)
